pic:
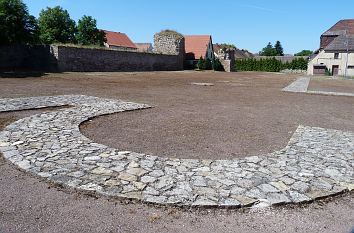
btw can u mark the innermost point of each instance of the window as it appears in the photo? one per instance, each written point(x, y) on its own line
point(336, 55)
point(350, 67)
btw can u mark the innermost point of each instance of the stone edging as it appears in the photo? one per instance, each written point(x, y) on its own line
point(316, 162)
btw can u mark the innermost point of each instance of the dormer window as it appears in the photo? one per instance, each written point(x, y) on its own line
point(336, 55)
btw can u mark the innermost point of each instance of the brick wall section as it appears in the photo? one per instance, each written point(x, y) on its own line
point(85, 60)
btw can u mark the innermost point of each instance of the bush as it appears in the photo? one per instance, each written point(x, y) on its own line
point(201, 64)
point(208, 65)
point(270, 65)
point(217, 66)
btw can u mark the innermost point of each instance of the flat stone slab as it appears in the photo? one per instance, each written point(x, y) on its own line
point(300, 85)
point(317, 162)
point(203, 84)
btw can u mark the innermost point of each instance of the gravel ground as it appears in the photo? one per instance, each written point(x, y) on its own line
point(242, 114)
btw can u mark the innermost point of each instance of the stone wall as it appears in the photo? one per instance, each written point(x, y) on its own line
point(62, 58)
point(24, 57)
point(84, 59)
point(227, 59)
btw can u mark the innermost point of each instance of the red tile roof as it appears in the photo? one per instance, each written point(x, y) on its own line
point(144, 47)
point(119, 39)
point(340, 27)
point(196, 46)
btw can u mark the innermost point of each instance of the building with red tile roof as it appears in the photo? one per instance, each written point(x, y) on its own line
point(144, 47)
point(118, 40)
point(197, 46)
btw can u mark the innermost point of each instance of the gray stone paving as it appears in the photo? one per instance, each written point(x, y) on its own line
point(316, 162)
point(300, 85)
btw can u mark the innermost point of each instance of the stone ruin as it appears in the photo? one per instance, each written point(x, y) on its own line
point(169, 42)
point(227, 59)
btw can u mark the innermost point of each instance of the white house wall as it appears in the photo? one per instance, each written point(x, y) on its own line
point(327, 59)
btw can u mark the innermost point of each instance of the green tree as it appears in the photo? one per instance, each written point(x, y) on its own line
point(227, 46)
point(201, 63)
point(55, 26)
point(87, 32)
point(217, 66)
point(17, 26)
point(279, 48)
point(269, 50)
point(208, 65)
point(304, 53)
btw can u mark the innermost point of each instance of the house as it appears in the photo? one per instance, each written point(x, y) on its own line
point(144, 47)
point(336, 52)
point(119, 41)
point(197, 46)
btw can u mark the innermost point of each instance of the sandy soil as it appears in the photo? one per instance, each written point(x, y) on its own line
point(258, 117)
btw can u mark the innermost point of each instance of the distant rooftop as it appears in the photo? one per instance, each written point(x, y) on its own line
point(196, 46)
point(119, 39)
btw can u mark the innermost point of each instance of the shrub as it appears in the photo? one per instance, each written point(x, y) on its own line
point(270, 64)
point(217, 66)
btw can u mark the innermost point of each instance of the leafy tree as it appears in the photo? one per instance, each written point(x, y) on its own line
point(279, 48)
point(17, 26)
point(55, 26)
point(269, 50)
point(87, 32)
point(304, 53)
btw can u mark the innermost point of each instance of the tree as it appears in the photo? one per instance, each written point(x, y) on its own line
point(278, 48)
point(87, 32)
point(269, 50)
point(17, 26)
point(227, 46)
point(207, 64)
point(304, 53)
point(55, 25)
point(217, 66)
point(201, 63)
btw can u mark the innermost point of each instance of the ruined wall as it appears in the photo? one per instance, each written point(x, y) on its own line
point(61, 58)
point(170, 42)
point(227, 59)
point(84, 59)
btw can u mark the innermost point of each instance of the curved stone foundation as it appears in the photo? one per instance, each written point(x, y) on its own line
point(316, 162)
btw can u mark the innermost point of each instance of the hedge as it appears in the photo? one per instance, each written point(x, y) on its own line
point(269, 64)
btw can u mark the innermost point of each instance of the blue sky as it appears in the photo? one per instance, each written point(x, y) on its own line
point(249, 24)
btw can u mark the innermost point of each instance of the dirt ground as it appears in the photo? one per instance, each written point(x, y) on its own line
point(242, 114)
point(332, 84)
